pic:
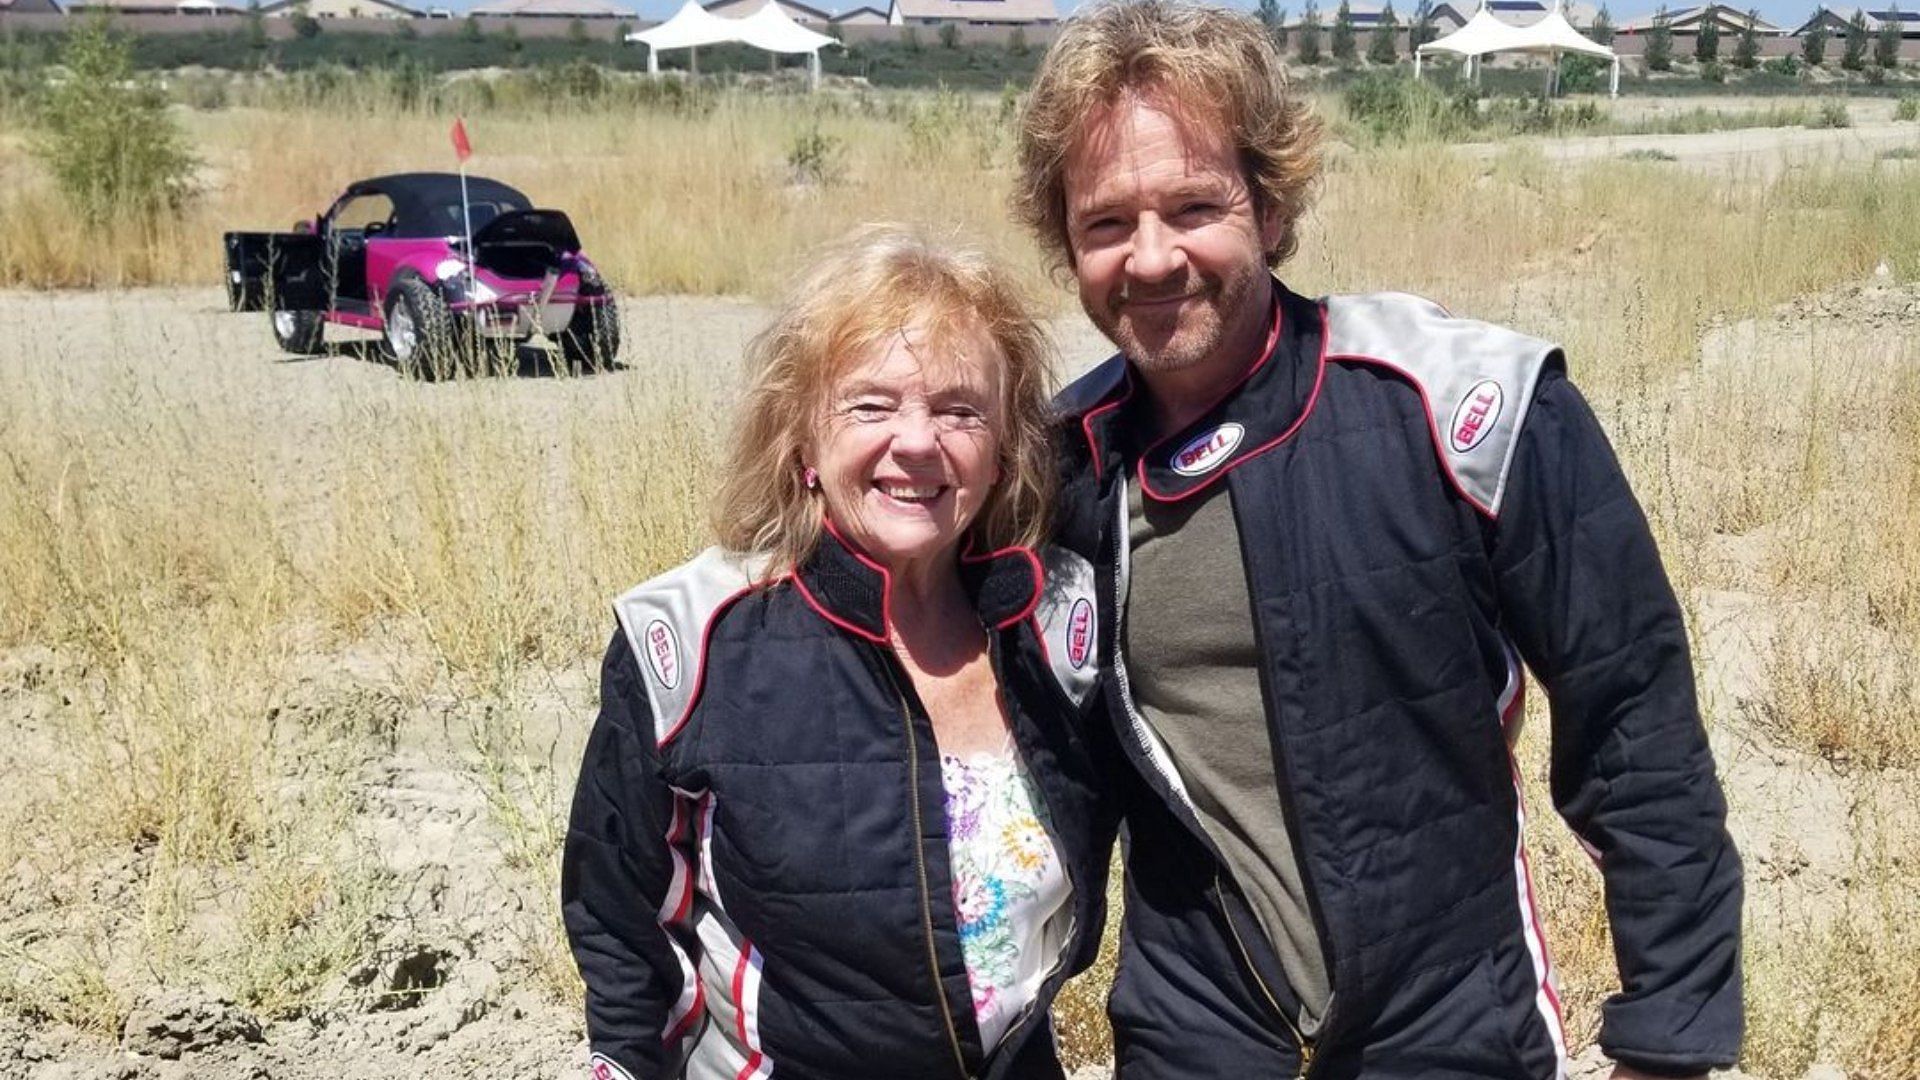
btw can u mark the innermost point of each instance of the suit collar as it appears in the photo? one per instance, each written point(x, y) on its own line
point(1263, 409)
point(849, 589)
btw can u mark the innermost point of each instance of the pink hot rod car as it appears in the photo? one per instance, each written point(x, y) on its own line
point(392, 255)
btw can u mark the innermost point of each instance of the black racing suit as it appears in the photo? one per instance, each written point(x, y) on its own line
point(1423, 503)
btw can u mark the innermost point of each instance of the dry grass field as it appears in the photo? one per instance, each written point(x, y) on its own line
point(296, 658)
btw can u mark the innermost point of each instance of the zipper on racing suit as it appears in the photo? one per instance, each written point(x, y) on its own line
point(1053, 976)
point(1152, 753)
point(907, 715)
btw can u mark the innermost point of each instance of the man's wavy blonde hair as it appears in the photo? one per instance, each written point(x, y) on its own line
point(1208, 64)
point(870, 286)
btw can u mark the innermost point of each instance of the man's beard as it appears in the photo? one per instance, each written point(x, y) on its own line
point(1200, 330)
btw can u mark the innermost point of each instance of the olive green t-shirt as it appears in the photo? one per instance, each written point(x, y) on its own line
point(1193, 665)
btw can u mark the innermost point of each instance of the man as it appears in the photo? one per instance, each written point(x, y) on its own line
point(1333, 530)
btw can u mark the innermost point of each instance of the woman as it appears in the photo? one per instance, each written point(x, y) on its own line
point(837, 818)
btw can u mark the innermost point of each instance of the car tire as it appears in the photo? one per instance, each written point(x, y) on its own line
point(591, 340)
point(300, 333)
point(420, 331)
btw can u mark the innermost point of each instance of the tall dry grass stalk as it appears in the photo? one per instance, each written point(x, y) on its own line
point(185, 528)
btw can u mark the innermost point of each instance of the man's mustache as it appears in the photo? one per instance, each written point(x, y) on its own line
point(1130, 294)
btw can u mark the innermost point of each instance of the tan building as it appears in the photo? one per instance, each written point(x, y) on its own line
point(554, 9)
point(740, 9)
point(973, 13)
point(861, 16)
point(339, 9)
point(1686, 22)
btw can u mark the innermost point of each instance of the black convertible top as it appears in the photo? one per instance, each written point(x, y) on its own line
point(428, 203)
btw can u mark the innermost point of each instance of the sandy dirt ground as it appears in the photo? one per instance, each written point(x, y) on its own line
point(1754, 153)
point(472, 1013)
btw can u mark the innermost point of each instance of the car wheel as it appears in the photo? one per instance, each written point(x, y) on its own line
point(420, 330)
point(298, 332)
point(592, 337)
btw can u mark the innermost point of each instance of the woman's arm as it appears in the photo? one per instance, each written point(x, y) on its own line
point(626, 888)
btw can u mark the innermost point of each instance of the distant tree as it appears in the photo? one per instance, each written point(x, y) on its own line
point(1813, 47)
point(1017, 42)
point(1280, 30)
point(470, 30)
point(1659, 54)
point(105, 135)
point(1343, 45)
point(1422, 30)
point(404, 30)
point(949, 35)
point(1747, 53)
point(305, 26)
point(1853, 56)
point(510, 38)
point(911, 40)
point(576, 32)
point(1706, 43)
point(1384, 48)
point(1269, 12)
point(256, 32)
point(1307, 48)
point(1886, 45)
point(621, 30)
point(1602, 29)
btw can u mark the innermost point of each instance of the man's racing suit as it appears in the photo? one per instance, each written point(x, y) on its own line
point(1423, 503)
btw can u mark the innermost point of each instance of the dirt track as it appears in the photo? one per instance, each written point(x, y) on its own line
point(1755, 153)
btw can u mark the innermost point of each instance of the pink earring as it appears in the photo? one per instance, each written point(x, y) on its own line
point(810, 478)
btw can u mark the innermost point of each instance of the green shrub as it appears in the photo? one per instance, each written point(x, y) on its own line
point(1391, 105)
point(1712, 72)
point(1582, 74)
point(949, 35)
point(1831, 114)
point(1648, 154)
point(106, 136)
point(1788, 65)
point(816, 158)
point(1907, 108)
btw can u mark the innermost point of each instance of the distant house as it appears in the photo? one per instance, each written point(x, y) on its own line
point(1686, 22)
point(155, 7)
point(339, 9)
point(1837, 20)
point(861, 16)
point(29, 7)
point(1453, 14)
point(553, 9)
point(740, 9)
point(973, 13)
point(1364, 15)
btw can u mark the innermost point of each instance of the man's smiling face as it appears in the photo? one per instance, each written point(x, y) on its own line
point(1168, 246)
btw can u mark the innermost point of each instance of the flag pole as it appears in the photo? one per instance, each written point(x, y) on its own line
point(466, 219)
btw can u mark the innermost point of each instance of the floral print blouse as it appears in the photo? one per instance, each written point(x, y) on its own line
point(1007, 884)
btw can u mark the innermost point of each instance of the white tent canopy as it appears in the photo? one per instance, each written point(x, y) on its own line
point(768, 28)
point(1552, 35)
point(775, 31)
point(690, 27)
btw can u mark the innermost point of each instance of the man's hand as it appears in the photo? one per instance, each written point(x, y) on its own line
point(1628, 1072)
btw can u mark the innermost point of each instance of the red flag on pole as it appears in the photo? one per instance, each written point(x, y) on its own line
point(462, 149)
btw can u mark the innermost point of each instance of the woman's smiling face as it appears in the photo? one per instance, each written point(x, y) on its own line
point(910, 448)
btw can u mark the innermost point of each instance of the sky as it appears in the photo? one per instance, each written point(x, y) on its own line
point(1787, 13)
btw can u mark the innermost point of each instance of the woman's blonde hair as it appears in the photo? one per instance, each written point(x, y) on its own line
point(1211, 65)
point(872, 285)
